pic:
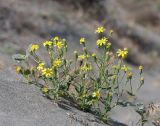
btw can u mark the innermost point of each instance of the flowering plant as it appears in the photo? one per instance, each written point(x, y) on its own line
point(89, 79)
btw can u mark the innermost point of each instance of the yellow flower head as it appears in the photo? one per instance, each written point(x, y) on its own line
point(82, 41)
point(45, 89)
point(40, 66)
point(34, 47)
point(102, 41)
point(140, 67)
point(82, 57)
point(18, 69)
point(122, 53)
point(47, 72)
point(56, 38)
point(100, 29)
point(86, 67)
point(125, 68)
point(48, 44)
point(58, 44)
point(96, 94)
point(57, 63)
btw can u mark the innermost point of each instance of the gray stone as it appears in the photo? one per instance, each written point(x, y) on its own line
point(126, 115)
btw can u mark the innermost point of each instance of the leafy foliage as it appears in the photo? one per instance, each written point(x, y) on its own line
point(89, 79)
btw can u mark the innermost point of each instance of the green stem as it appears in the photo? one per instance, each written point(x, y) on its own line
point(131, 86)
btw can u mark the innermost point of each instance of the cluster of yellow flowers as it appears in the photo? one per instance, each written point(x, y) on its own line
point(90, 74)
point(48, 44)
point(48, 72)
point(102, 42)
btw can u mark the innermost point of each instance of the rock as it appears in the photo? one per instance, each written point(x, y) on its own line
point(125, 115)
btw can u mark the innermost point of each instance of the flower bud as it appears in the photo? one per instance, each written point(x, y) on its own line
point(141, 69)
point(130, 74)
point(142, 80)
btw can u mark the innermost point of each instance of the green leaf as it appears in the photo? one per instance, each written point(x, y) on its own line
point(125, 103)
point(19, 57)
point(27, 72)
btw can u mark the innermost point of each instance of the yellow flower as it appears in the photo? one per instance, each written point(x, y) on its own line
point(102, 41)
point(18, 69)
point(58, 44)
point(82, 57)
point(100, 29)
point(82, 40)
point(55, 38)
point(57, 63)
point(48, 44)
point(140, 67)
point(125, 68)
point(122, 53)
point(47, 72)
point(45, 89)
point(34, 47)
point(40, 66)
point(86, 67)
point(96, 94)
